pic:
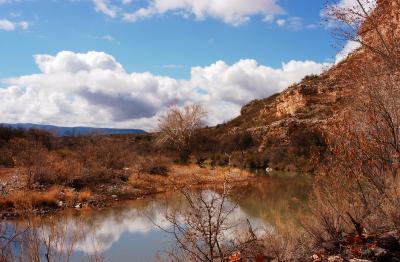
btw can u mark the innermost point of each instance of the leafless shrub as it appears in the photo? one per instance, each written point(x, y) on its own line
point(205, 229)
point(358, 191)
point(94, 160)
point(375, 29)
point(153, 165)
point(178, 127)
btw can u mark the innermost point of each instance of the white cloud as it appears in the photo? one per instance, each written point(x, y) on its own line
point(281, 22)
point(100, 233)
point(94, 89)
point(349, 48)
point(269, 18)
point(353, 6)
point(234, 12)
point(14, 14)
point(369, 5)
point(108, 38)
point(8, 25)
point(103, 6)
point(295, 23)
point(24, 25)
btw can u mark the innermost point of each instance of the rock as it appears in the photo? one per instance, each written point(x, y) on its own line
point(114, 196)
point(60, 203)
point(380, 252)
point(79, 205)
point(359, 260)
point(335, 259)
point(367, 253)
point(389, 242)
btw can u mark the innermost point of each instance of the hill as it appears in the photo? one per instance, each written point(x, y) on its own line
point(288, 127)
point(76, 131)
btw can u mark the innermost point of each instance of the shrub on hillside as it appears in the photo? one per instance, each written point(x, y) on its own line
point(6, 157)
point(153, 165)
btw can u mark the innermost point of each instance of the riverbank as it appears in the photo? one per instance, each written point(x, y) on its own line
point(17, 200)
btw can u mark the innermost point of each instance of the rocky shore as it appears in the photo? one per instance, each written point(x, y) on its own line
point(18, 201)
point(384, 246)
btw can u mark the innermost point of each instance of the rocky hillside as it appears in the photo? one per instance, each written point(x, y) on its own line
point(287, 127)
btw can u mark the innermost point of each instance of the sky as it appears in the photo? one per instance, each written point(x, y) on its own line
point(123, 63)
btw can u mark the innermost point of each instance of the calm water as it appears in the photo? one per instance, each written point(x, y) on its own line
point(127, 232)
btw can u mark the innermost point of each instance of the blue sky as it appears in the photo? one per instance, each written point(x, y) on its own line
point(216, 52)
point(154, 43)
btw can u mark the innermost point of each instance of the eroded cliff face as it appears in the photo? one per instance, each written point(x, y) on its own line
point(306, 108)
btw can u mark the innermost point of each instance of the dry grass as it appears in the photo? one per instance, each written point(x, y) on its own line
point(184, 175)
point(26, 201)
point(85, 195)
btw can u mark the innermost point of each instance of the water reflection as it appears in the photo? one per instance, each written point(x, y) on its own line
point(128, 233)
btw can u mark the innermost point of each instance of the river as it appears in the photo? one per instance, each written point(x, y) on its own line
point(128, 232)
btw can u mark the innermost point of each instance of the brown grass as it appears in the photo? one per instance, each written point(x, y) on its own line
point(28, 200)
point(183, 175)
point(85, 195)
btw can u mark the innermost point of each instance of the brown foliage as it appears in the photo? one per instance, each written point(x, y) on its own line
point(358, 191)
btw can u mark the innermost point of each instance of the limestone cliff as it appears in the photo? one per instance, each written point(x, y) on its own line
point(295, 117)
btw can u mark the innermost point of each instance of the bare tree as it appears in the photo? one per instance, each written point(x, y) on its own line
point(205, 229)
point(375, 29)
point(178, 127)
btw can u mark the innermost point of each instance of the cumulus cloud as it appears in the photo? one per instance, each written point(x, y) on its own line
point(369, 5)
point(24, 25)
point(8, 25)
point(281, 22)
point(348, 5)
point(94, 89)
point(348, 48)
point(234, 12)
point(103, 6)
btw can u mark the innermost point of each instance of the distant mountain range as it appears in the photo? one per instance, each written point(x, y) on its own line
point(76, 131)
